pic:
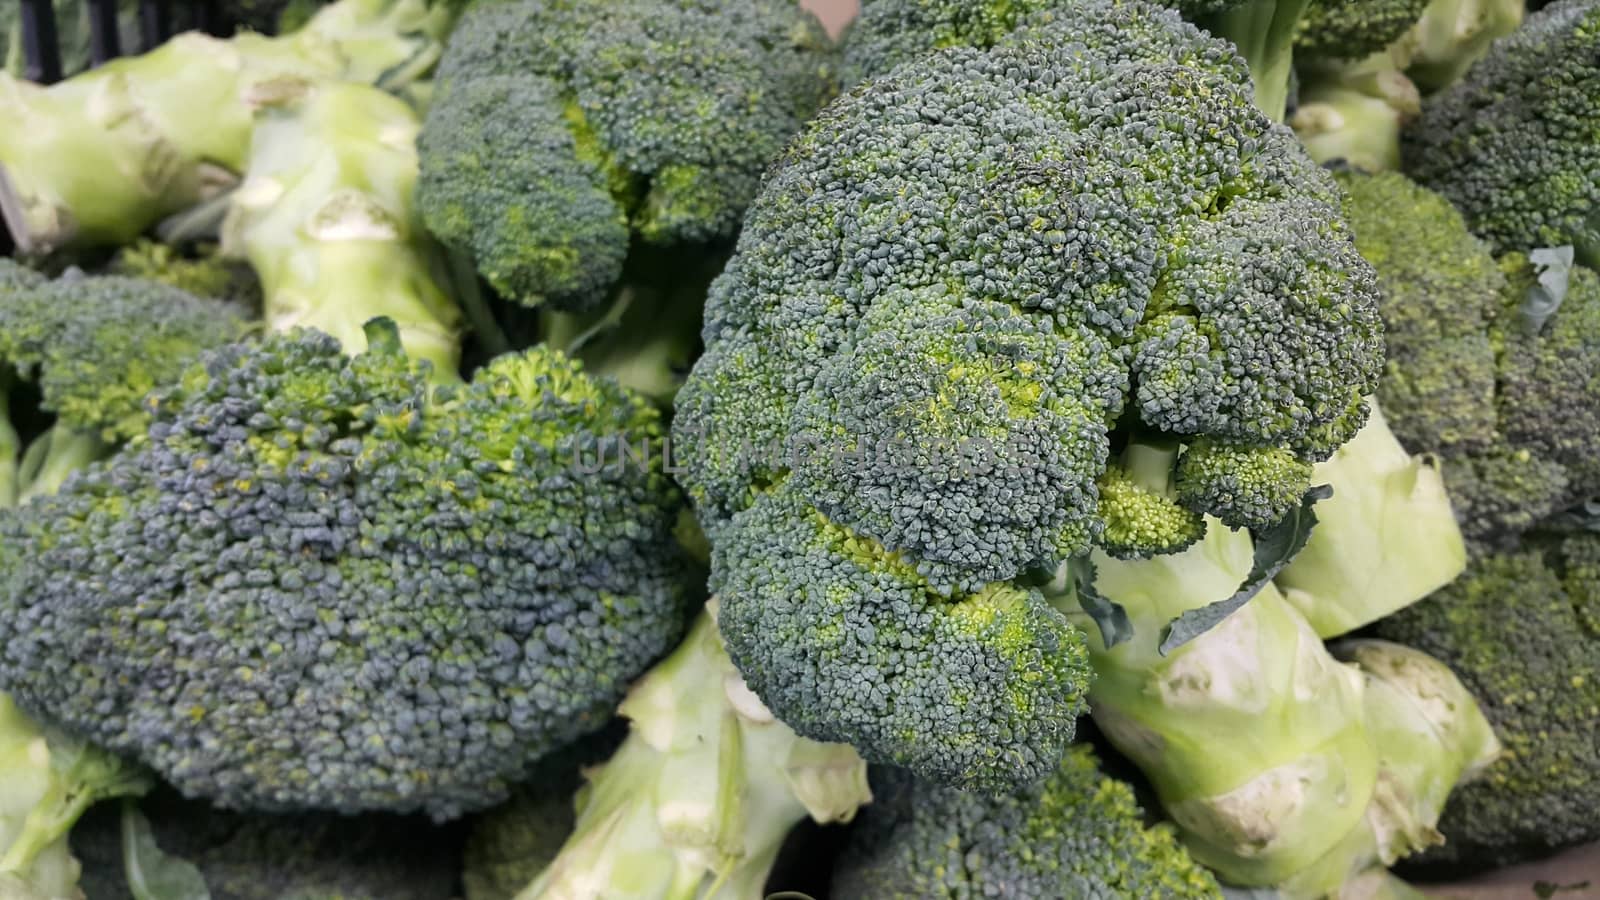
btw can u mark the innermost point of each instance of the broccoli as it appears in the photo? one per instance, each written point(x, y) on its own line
point(1353, 29)
point(699, 797)
point(263, 857)
point(1279, 765)
point(1515, 145)
point(1522, 629)
point(968, 293)
point(77, 355)
point(890, 32)
point(206, 274)
point(1501, 398)
point(1078, 833)
point(168, 129)
point(414, 589)
point(1452, 35)
point(548, 149)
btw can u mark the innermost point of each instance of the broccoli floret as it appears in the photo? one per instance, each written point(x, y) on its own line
point(415, 589)
point(1352, 29)
point(1513, 144)
point(968, 288)
point(209, 274)
point(1078, 833)
point(549, 146)
point(77, 356)
point(1522, 630)
point(265, 857)
point(855, 646)
point(1503, 400)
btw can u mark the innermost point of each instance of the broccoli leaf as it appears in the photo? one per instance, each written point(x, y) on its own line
point(1275, 547)
point(152, 873)
point(1106, 613)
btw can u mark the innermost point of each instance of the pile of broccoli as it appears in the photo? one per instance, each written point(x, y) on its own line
point(591, 449)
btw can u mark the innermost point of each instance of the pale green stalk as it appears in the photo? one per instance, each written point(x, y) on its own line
point(1384, 540)
point(327, 219)
point(100, 157)
point(697, 801)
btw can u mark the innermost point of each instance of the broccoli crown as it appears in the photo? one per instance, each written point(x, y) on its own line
point(1352, 29)
point(414, 595)
point(547, 149)
point(856, 647)
point(1505, 402)
point(1515, 144)
point(1076, 834)
point(243, 856)
point(94, 346)
point(1522, 630)
point(962, 290)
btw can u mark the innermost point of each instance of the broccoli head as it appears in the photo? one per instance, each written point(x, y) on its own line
point(966, 291)
point(548, 149)
point(1078, 833)
point(1477, 374)
point(1516, 143)
point(77, 356)
point(1522, 630)
point(1352, 29)
point(413, 589)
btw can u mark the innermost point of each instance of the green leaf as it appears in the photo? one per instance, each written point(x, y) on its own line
point(1275, 547)
point(152, 873)
point(1554, 265)
point(1108, 614)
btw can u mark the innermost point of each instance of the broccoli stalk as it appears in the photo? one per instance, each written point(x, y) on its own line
point(47, 780)
point(1355, 113)
point(1280, 766)
point(327, 220)
point(1384, 540)
point(697, 800)
point(100, 157)
point(1264, 33)
point(1451, 36)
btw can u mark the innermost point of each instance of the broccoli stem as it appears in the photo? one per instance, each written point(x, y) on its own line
point(100, 157)
point(1150, 465)
point(326, 218)
point(1384, 540)
point(52, 457)
point(1452, 35)
point(1356, 116)
point(49, 780)
point(1264, 30)
point(696, 802)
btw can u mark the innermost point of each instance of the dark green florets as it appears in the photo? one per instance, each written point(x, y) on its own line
point(976, 689)
point(549, 145)
point(1077, 834)
point(1505, 402)
point(94, 346)
point(1516, 143)
point(963, 288)
point(414, 593)
point(1353, 29)
point(267, 857)
point(1522, 630)
point(1244, 487)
